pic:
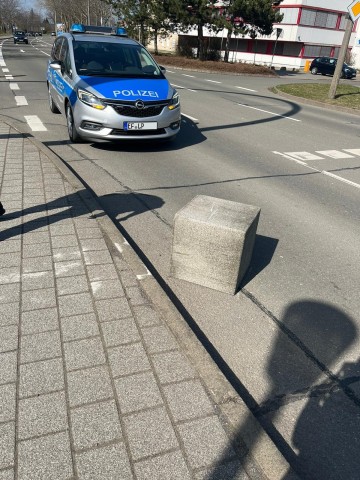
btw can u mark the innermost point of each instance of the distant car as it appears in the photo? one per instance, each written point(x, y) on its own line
point(53, 34)
point(20, 37)
point(327, 65)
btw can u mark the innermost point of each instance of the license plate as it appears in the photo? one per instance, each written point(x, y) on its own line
point(140, 125)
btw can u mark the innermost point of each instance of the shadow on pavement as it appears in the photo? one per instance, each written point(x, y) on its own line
point(323, 442)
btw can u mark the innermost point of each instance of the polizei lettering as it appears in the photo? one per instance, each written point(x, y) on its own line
point(136, 93)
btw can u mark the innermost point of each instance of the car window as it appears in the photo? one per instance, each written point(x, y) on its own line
point(332, 61)
point(56, 50)
point(114, 59)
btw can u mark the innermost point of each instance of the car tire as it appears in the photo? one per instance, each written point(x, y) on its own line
point(53, 107)
point(73, 134)
point(314, 71)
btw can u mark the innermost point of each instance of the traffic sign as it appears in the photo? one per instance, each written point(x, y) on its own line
point(354, 10)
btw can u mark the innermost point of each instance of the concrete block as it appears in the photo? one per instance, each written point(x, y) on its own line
point(213, 242)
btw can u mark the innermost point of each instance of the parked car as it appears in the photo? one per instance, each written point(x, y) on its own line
point(109, 87)
point(53, 34)
point(20, 37)
point(327, 65)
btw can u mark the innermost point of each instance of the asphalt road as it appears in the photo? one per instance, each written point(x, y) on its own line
point(289, 340)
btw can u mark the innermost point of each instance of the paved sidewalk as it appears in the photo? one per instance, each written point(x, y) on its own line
point(93, 384)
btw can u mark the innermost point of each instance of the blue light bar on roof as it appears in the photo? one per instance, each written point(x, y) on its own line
point(80, 28)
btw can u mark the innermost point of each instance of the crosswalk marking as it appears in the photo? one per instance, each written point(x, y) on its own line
point(334, 154)
point(20, 100)
point(35, 123)
point(354, 151)
point(304, 156)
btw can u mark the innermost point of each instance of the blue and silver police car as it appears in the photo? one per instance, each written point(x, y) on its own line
point(109, 87)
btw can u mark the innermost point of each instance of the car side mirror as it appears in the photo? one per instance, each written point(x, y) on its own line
point(163, 69)
point(56, 65)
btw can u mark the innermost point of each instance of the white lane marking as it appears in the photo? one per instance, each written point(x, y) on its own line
point(2, 63)
point(22, 51)
point(334, 154)
point(248, 89)
point(212, 81)
point(270, 113)
point(35, 123)
point(14, 86)
point(354, 151)
point(9, 77)
point(305, 156)
point(170, 71)
point(324, 172)
point(48, 54)
point(195, 120)
point(5, 70)
point(185, 75)
point(20, 100)
point(184, 88)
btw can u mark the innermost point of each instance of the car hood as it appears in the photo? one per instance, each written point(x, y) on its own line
point(130, 89)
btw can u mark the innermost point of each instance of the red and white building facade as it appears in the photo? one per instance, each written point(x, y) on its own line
point(310, 28)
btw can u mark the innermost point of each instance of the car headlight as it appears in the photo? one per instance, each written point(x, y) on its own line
point(174, 102)
point(90, 99)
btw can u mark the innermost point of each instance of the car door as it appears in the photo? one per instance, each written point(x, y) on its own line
point(332, 66)
point(55, 76)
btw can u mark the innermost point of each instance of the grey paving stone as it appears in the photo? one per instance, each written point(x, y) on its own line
point(35, 238)
point(7, 444)
point(41, 377)
point(9, 275)
point(233, 470)
point(36, 250)
point(110, 463)
point(40, 346)
point(98, 257)
point(158, 339)
point(128, 278)
point(9, 314)
point(173, 367)
point(7, 474)
point(62, 241)
point(69, 285)
point(149, 433)
point(171, 465)
point(66, 254)
point(188, 400)
point(47, 458)
point(11, 246)
point(77, 304)
point(98, 273)
point(113, 309)
point(136, 296)
point(37, 264)
point(38, 299)
point(37, 280)
point(9, 260)
point(69, 269)
point(89, 385)
point(78, 327)
point(146, 315)
point(38, 321)
point(120, 332)
point(89, 233)
point(95, 424)
point(128, 359)
point(57, 230)
point(10, 293)
point(8, 338)
point(205, 442)
point(103, 289)
point(8, 370)
point(7, 402)
point(84, 353)
point(42, 415)
point(137, 392)
point(91, 244)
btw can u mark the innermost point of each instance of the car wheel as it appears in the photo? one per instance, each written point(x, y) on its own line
point(53, 107)
point(314, 70)
point(73, 134)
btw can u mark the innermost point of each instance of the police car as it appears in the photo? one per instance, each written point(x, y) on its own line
point(109, 87)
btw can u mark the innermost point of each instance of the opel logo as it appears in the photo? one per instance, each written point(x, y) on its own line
point(139, 104)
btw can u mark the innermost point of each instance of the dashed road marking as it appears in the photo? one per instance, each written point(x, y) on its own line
point(185, 75)
point(184, 88)
point(212, 81)
point(195, 120)
point(14, 86)
point(334, 154)
point(35, 123)
point(248, 89)
point(270, 113)
point(20, 100)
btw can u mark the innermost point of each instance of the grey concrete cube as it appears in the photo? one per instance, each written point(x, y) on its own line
point(213, 242)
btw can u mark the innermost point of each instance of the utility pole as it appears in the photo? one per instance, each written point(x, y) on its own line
point(341, 58)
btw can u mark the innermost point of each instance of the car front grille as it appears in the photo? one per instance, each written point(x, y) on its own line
point(137, 133)
point(128, 109)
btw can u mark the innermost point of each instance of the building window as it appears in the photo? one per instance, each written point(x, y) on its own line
point(319, 18)
point(317, 51)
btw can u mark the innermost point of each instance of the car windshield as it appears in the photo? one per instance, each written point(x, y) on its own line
point(19, 33)
point(111, 59)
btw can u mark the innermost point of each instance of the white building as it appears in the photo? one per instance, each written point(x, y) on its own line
point(310, 28)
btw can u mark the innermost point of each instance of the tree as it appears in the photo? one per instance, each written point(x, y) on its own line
point(9, 9)
point(252, 17)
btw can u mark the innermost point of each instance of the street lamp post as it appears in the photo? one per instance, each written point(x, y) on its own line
point(278, 33)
